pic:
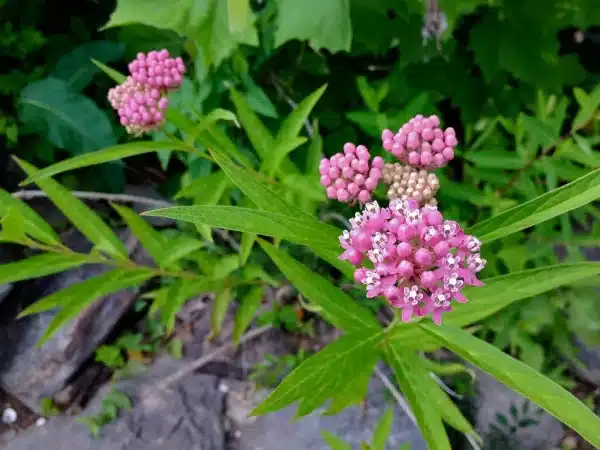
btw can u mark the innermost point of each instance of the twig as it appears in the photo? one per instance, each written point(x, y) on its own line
point(123, 198)
point(396, 394)
point(446, 389)
point(200, 362)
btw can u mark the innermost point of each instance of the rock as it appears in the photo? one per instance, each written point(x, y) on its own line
point(279, 429)
point(31, 373)
point(508, 421)
point(186, 416)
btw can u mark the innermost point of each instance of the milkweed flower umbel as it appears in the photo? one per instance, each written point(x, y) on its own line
point(351, 175)
point(413, 257)
point(421, 143)
point(141, 100)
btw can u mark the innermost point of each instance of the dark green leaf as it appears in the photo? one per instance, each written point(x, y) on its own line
point(259, 135)
point(66, 118)
point(323, 23)
point(117, 77)
point(76, 67)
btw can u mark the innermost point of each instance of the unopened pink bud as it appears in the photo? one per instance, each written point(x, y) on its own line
point(364, 196)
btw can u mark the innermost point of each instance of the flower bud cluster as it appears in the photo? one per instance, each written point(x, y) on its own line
point(351, 175)
point(141, 100)
point(421, 143)
point(407, 182)
point(413, 257)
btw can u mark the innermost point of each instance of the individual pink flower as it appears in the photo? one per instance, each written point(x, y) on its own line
point(351, 175)
point(421, 143)
point(413, 257)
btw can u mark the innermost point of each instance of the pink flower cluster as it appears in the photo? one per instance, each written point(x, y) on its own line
point(351, 175)
point(157, 69)
point(141, 100)
point(417, 260)
point(421, 143)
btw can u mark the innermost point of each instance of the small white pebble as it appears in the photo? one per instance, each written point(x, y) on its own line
point(238, 434)
point(9, 415)
point(40, 422)
point(223, 388)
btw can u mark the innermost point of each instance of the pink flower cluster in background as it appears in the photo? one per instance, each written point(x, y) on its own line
point(141, 100)
point(421, 143)
point(351, 175)
point(417, 260)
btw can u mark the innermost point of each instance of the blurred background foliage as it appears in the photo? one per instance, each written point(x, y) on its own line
point(518, 80)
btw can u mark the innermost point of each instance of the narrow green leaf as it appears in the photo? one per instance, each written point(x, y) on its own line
point(215, 137)
point(502, 291)
point(90, 289)
point(210, 197)
point(181, 247)
point(150, 239)
point(259, 135)
point(86, 220)
point(496, 159)
point(255, 186)
point(382, 430)
point(246, 245)
point(171, 303)
point(325, 374)
point(522, 378)
point(39, 266)
point(270, 165)
point(35, 226)
point(301, 231)
point(73, 299)
point(219, 310)
point(424, 410)
point(13, 226)
point(334, 442)
point(209, 120)
point(338, 308)
point(552, 204)
point(199, 186)
point(117, 76)
point(292, 125)
point(543, 134)
point(248, 307)
point(583, 144)
point(115, 153)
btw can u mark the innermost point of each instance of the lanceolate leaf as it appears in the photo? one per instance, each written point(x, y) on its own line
point(424, 409)
point(382, 431)
point(115, 153)
point(116, 76)
point(334, 442)
point(73, 299)
point(336, 307)
point(554, 203)
point(248, 308)
point(220, 304)
point(291, 127)
point(522, 378)
point(259, 135)
point(39, 266)
point(500, 292)
point(68, 119)
point(35, 226)
point(150, 239)
point(325, 374)
point(86, 220)
point(301, 231)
